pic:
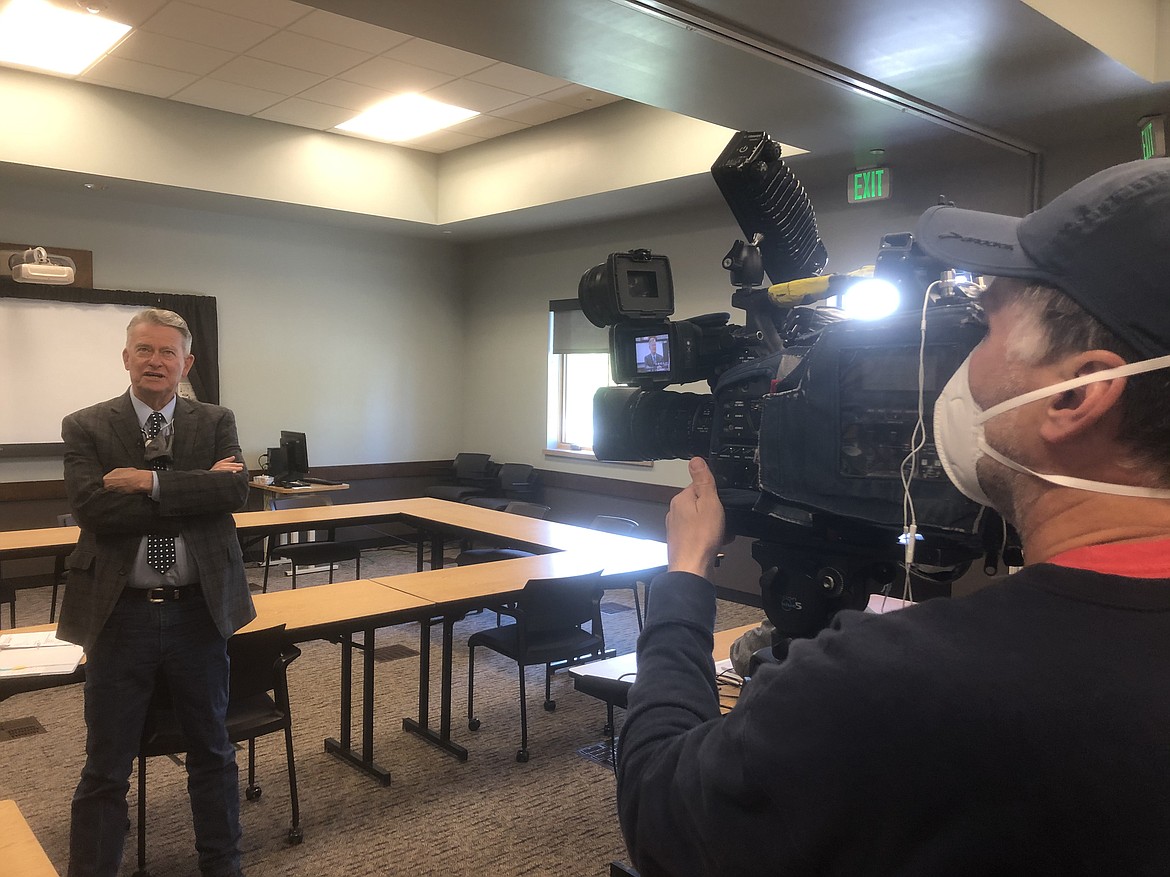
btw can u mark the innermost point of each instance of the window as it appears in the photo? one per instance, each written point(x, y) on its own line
point(578, 363)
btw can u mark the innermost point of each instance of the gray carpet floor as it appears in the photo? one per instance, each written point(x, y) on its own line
point(491, 815)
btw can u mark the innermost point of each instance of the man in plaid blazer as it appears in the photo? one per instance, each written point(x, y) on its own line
point(156, 588)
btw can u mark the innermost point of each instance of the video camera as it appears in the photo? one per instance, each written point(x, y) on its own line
point(818, 426)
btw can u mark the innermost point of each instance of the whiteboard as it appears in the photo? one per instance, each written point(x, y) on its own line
point(55, 358)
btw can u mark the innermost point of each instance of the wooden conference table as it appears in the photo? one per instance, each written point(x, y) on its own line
point(20, 851)
point(432, 516)
point(342, 609)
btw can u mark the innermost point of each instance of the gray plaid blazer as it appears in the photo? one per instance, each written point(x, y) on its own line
point(193, 502)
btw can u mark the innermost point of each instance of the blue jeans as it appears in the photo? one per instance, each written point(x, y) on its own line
point(140, 642)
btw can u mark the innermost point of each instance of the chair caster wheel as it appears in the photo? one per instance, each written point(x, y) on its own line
point(550, 705)
point(522, 756)
point(295, 836)
point(473, 725)
point(253, 793)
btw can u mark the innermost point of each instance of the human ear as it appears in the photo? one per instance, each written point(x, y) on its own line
point(1072, 413)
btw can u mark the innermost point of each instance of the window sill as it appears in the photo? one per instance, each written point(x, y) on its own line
point(567, 454)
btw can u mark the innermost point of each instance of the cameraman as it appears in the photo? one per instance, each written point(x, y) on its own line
point(1024, 729)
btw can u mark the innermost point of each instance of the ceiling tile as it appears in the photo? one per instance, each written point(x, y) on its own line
point(308, 53)
point(474, 95)
point(227, 96)
point(534, 111)
point(265, 75)
point(306, 113)
point(347, 32)
point(516, 79)
point(348, 95)
point(434, 56)
point(288, 62)
point(278, 13)
point(207, 27)
point(488, 126)
point(132, 12)
point(138, 77)
point(580, 97)
point(394, 76)
point(442, 141)
point(164, 51)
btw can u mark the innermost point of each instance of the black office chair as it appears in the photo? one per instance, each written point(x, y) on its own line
point(8, 595)
point(258, 705)
point(326, 551)
point(515, 480)
point(622, 527)
point(474, 475)
point(549, 616)
point(471, 555)
point(527, 509)
point(60, 572)
point(614, 524)
point(614, 693)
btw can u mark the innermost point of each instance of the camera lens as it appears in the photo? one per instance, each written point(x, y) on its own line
point(598, 296)
point(633, 424)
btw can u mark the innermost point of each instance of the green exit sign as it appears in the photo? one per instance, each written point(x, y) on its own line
point(871, 184)
point(1153, 130)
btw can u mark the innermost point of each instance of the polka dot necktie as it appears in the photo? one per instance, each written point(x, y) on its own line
point(160, 550)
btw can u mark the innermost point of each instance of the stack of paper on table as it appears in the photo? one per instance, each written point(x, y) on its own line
point(37, 654)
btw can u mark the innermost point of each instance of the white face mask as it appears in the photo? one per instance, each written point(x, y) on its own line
point(960, 441)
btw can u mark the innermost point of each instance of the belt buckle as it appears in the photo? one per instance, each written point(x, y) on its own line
point(156, 595)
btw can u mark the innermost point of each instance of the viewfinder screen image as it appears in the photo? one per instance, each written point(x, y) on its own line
point(642, 284)
point(652, 353)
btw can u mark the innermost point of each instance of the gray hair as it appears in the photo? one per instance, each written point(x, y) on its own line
point(1062, 327)
point(160, 317)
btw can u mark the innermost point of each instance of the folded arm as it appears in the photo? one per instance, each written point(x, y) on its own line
point(220, 489)
point(119, 501)
point(107, 510)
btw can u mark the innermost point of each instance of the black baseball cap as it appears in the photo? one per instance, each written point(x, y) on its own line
point(1105, 243)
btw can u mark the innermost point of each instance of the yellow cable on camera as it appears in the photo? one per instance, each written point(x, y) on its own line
point(806, 290)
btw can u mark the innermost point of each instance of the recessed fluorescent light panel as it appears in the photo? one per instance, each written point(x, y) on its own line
point(37, 34)
point(405, 117)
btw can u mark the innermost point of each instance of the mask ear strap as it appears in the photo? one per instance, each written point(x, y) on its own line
point(1078, 483)
point(1122, 371)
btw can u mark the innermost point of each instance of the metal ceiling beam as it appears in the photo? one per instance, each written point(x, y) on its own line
point(732, 34)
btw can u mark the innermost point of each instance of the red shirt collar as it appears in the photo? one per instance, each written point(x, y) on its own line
point(1135, 560)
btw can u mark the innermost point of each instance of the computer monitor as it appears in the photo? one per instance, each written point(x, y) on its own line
point(277, 466)
point(296, 455)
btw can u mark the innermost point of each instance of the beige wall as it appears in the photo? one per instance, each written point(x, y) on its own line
point(353, 337)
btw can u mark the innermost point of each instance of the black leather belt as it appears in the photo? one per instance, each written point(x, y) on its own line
point(165, 594)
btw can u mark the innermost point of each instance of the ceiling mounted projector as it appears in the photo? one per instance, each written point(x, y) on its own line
point(35, 265)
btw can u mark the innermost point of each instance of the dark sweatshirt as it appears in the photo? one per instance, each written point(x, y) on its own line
point(1024, 729)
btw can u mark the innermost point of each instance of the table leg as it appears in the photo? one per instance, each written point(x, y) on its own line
point(343, 750)
point(346, 690)
point(445, 690)
point(424, 674)
point(421, 727)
